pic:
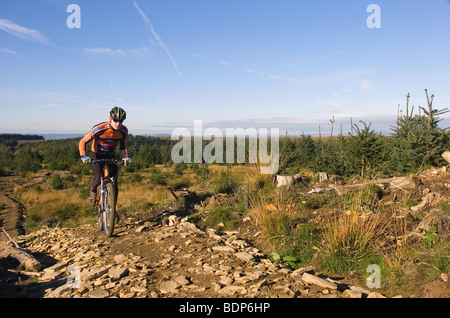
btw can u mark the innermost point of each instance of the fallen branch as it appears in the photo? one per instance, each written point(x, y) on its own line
point(397, 187)
point(26, 260)
point(11, 239)
point(404, 181)
point(23, 256)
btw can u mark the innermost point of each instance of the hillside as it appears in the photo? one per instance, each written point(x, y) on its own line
point(170, 252)
point(161, 255)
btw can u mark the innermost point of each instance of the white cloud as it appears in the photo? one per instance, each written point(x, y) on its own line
point(156, 36)
point(23, 32)
point(275, 76)
point(104, 50)
point(366, 85)
point(144, 50)
point(8, 51)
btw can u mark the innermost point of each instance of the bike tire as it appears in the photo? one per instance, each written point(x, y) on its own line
point(100, 219)
point(109, 215)
point(98, 211)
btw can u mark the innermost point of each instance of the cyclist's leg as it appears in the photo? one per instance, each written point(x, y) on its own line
point(97, 169)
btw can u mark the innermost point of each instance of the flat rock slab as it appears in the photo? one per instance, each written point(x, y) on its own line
point(314, 280)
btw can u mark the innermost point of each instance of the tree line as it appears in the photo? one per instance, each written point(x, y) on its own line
point(416, 142)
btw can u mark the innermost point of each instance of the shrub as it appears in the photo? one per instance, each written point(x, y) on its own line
point(55, 182)
point(200, 170)
point(225, 182)
point(32, 221)
point(276, 220)
point(300, 245)
point(65, 213)
point(83, 192)
point(220, 215)
point(27, 159)
point(158, 179)
point(179, 168)
point(135, 178)
point(366, 150)
point(445, 207)
point(418, 141)
point(350, 243)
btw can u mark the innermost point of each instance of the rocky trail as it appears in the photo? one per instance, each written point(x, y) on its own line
point(159, 255)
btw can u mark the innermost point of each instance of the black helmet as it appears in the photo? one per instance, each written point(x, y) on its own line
point(118, 114)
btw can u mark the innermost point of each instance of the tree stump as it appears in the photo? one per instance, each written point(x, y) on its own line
point(446, 156)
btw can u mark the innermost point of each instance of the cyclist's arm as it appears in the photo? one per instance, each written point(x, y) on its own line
point(95, 131)
point(124, 142)
point(83, 142)
point(87, 138)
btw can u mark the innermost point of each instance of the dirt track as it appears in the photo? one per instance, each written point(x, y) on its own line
point(10, 216)
point(158, 254)
point(161, 255)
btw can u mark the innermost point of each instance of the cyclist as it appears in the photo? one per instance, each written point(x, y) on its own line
point(105, 137)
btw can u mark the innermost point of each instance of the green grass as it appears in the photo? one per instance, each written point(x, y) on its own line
point(299, 245)
point(223, 215)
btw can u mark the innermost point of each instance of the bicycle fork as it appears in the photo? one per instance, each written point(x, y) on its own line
point(102, 195)
point(102, 188)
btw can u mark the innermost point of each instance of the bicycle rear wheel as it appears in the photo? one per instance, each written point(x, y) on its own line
point(109, 215)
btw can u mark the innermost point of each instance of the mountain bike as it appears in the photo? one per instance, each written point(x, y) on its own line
point(105, 203)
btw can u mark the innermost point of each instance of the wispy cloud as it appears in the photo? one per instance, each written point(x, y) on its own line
point(262, 75)
point(209, 56)
point(220, 62)
point(8, 51)
point(144, 50)
point(104, 50)
point(23, 32)
point(156, 36)
point(316, 58)
point(58, 97)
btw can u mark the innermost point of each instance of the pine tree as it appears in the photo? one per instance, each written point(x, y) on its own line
point(418, 140)
point(367, 149)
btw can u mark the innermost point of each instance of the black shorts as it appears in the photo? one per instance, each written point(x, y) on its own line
point(97, 169)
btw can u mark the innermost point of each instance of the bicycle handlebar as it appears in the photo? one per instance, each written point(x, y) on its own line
point(118, 162)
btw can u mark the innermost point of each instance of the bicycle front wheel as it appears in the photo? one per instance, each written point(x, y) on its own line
point(109, 215)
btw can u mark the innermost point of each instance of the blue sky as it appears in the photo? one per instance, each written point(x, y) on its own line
point(287, 64)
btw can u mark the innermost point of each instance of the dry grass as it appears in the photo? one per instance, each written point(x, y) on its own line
point(353, 229)
point(352, 240)
point(275, 217)
point(134, 197)
point(49, 207)
point(41, 202)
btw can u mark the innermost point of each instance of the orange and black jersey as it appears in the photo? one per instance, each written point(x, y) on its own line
point(104, 139)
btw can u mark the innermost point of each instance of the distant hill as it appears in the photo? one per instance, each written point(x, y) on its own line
point(11, 140)
point(61, 136)
point(20, 137)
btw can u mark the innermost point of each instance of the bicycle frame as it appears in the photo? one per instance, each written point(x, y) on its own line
point(105, 179)
point(106, 215)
